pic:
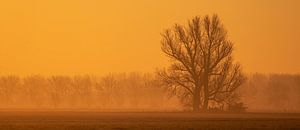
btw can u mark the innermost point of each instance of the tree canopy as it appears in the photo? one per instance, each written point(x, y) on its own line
point(202, 72)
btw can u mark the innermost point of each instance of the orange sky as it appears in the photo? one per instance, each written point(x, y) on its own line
point(96, 37)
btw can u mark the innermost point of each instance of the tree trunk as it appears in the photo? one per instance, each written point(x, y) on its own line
point(206, 92)
point(196, 99)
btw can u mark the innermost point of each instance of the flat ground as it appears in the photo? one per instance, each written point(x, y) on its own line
point(93, 120)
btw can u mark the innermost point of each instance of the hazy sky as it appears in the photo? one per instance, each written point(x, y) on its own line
point(97, 37)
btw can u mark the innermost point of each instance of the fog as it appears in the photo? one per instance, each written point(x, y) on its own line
point(136, 92)
point(272, 92)
point(132, 91)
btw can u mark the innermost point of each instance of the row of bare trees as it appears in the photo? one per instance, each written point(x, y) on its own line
point(276, 92)
point(202, 72)
point(272, 92)
point(113, 91)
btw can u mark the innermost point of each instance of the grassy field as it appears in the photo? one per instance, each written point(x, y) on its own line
point(93, 120)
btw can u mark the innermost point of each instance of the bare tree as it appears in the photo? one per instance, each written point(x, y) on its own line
point(109, 82)
point(202, 68)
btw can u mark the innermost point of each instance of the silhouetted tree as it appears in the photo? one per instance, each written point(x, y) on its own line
point(202, 69)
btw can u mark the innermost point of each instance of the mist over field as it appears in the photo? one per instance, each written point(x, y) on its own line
point(119, 92)
point(136, 92)
point(272, 92)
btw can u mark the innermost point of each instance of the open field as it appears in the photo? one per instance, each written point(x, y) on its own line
point(93, 120)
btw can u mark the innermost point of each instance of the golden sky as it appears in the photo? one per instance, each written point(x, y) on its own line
point(96, 37)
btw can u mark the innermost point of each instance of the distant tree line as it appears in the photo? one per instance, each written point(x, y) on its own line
point(113, 91)
point(276, 92)
point(260, 92)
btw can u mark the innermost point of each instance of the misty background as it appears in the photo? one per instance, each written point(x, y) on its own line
point(136, 92)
